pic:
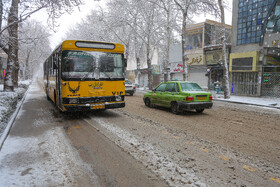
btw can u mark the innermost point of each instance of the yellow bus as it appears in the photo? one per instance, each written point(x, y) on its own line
point(85, 75)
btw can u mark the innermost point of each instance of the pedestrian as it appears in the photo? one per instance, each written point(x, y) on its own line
point(217, 86)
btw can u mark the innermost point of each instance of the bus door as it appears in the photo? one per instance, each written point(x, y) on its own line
point(49, 65)
point(58, 79)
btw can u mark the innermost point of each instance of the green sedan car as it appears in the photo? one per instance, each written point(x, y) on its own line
point(179, 96)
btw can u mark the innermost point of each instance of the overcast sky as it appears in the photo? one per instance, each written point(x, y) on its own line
point(67, 21)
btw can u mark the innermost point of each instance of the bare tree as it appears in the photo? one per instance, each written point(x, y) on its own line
point(188, 9)
point(169, 24)
point(143, 18)
point(18, 12)
point(148, 30)
point(34, 46)
point(224, 57)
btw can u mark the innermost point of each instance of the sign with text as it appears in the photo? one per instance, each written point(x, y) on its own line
point(176, 68)
point(195, 59)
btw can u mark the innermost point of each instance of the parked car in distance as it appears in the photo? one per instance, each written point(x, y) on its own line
point(129, 87)
point(179, 96)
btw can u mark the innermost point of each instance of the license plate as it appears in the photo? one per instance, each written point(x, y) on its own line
point(93, 107)
point(201, 97)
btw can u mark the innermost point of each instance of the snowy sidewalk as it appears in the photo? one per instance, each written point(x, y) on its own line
point(257, 101)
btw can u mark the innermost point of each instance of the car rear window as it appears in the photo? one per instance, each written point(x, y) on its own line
point(190, 87)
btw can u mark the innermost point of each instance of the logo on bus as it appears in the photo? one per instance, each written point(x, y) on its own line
point(74, 90)
point(96, 85)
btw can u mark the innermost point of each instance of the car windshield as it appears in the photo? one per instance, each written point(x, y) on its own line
point(91, 64)
point(190, 87)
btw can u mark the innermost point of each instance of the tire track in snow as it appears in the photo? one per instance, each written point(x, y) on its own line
point(151, 156)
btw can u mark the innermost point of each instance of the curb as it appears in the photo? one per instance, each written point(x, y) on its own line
point(237, 102)
point(12, 119)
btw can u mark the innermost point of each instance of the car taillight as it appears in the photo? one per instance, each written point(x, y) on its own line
point(210, 97)
point(189, 98)
point(134, 88)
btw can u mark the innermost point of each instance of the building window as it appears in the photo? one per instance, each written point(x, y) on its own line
point(273, 24)
point(194, 39)
point(251, 16)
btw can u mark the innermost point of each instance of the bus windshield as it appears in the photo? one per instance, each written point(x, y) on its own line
point(91, 65)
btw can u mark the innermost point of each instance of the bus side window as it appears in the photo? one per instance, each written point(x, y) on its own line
point(55, 62)
point(50, 67)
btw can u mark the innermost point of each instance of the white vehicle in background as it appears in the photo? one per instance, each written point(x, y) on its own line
point(129, 87)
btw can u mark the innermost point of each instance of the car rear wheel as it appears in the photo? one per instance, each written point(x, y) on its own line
point(199, 110)
point(147, 102)
point(175, 108)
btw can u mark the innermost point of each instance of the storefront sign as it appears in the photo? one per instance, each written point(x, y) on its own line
point(273, 52)
point(176, 68)
point(155, 69)
point(272, 40)
point(213, 57)
point(244, 61)
point(195, 59)
point(275, 43)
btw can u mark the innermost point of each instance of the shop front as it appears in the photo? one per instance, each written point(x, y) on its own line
point(197, 67)
point(246, 73)
point(271, 73)
point(214, 72)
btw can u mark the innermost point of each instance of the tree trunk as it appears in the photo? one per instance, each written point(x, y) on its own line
point(224, 57)
point(1, 13)
point(11, 78)
point(184, 53)
point(166, 63)
point(27, 67)
point(149, 64)
point(150, 76)
point(138, 70)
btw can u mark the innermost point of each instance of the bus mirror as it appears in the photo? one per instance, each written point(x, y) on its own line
point(125, 62)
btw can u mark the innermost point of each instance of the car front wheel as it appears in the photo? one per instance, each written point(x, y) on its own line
point(175, 108)
point(147, 102)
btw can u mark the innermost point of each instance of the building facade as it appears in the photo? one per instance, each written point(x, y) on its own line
point(204, 54)
point(255, 55)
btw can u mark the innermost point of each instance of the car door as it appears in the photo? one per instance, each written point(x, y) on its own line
point(170, 94)
point(158, 93)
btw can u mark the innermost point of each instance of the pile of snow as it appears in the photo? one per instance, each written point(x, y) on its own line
point(8, 103)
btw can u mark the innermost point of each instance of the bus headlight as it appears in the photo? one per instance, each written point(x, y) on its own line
point(118, 98)
point(73, 101)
